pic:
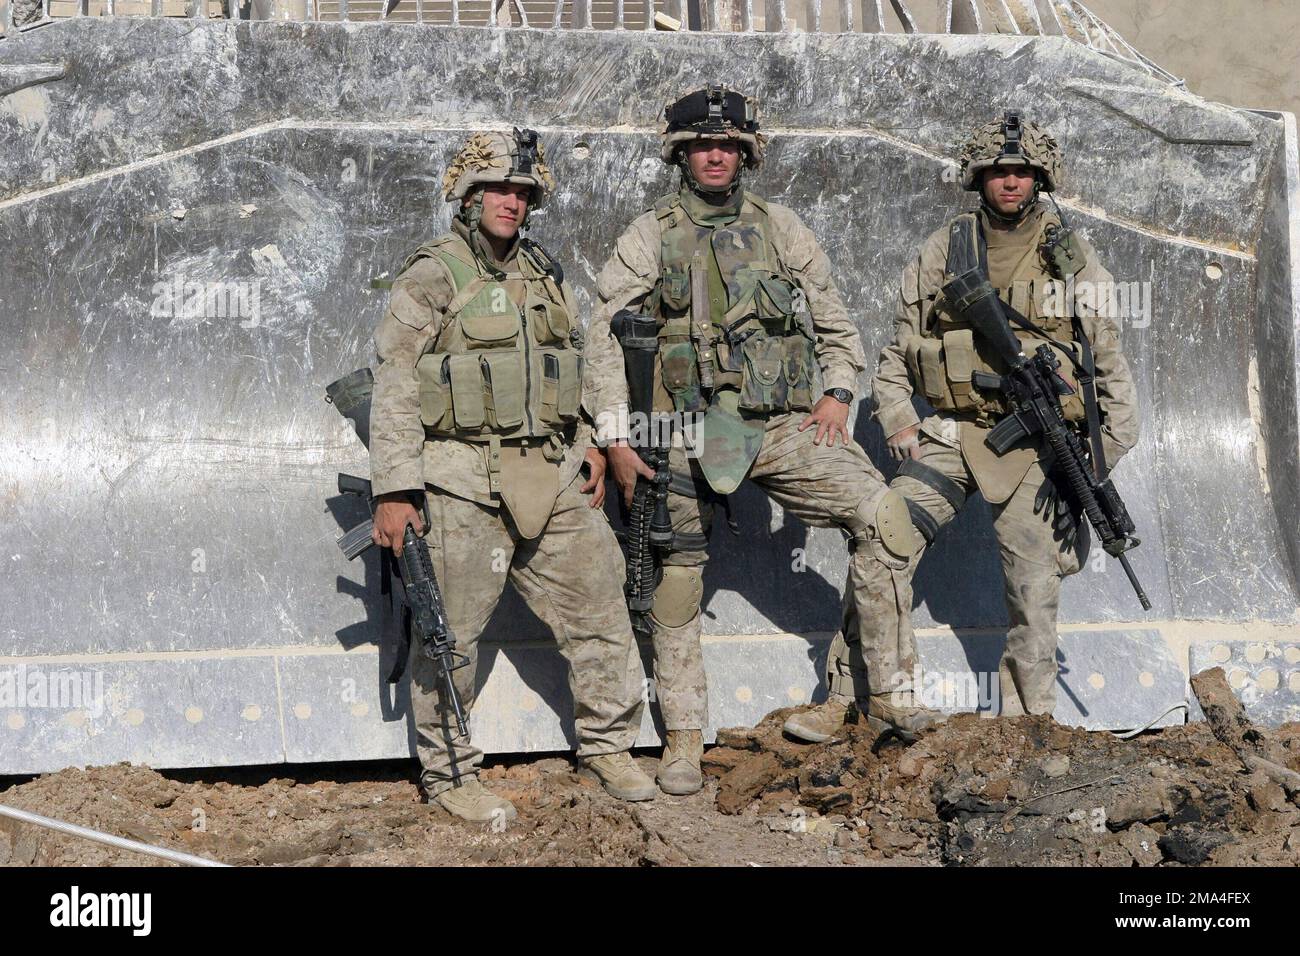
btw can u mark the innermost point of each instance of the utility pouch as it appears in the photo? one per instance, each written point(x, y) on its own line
point(763, 385)
point(800, 361)
point(1062, 253)
point(681, 376)
point(433, 371)
point(491, 330)
point(549, 321)
point(503, 389)
point(675, 289)
point(561, 384)
point(774, 299)
point(466, 391)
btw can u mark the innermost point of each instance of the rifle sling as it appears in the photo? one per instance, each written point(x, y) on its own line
point(1088, 382)
point(967, 250)
point(403, 651)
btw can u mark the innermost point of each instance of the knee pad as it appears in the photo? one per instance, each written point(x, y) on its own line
point(887, 520)
point(678, 596)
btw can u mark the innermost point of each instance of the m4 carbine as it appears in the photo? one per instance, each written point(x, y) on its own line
point(1033, 387)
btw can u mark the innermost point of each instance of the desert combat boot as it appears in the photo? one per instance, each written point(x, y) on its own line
point(819, 724)
point(470, 800)
point(898, 712)
point(621, 777)
point(679, 768)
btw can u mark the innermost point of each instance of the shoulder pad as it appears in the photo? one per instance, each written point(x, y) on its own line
point(447, 239)
point(758, 202)
point(449, 244)
point(453, 245)
point(667, 207)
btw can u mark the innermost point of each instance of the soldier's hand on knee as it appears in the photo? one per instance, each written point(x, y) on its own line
point(831, 416)
point(392, 514)
point(595, 485)
point(626, 464)
point(905, 444)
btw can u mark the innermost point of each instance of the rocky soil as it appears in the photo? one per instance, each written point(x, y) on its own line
point(1021, 791)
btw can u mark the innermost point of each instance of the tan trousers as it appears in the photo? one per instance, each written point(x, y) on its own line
point(1035, 557)
point(571, 575)
point(820, 485)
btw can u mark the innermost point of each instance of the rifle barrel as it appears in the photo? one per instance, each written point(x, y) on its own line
point(1132, 579)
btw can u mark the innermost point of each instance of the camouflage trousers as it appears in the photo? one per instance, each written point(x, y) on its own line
point(822, 486)
point(571, 577)
point(1035, 558)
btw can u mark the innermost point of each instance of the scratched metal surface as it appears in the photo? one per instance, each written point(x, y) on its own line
point(166, 480)
point(304, 706)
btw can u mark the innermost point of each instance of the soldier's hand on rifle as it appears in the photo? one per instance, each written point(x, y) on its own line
point(905, 444)
point(595, 485)
point(832, 418)
point(626, 464)
point(393, 513)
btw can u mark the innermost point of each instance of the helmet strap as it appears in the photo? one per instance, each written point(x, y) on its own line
point(471, 214)
point(471, 209)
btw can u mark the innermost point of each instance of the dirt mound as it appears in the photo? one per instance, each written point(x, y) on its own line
point(1019, 791)
point(287, 820)
point(370, 814)
point(971, 792)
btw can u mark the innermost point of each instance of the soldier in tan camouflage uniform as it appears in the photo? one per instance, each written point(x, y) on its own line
point(748, 313)
point(479, 407)
point(935, 355)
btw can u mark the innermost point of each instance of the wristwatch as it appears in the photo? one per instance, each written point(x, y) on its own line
point(841, 395)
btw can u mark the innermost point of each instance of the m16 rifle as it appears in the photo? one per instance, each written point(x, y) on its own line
point(424, 611)
point(649, 527)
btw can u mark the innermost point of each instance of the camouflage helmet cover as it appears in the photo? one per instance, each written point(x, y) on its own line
point(713, 112)
point(1011, 142)
point(499, 157)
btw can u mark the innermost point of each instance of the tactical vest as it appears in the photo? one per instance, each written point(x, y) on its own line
point(497, 369)
point(944, 357)
point(755, 339)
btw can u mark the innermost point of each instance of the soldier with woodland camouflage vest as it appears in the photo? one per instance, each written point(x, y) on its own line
point(1054, 280)
point(481, 406)
point(748, 318)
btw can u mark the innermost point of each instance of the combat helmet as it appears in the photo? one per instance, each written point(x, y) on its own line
point(713, 112)
point(499, 157)
point(1012, 141)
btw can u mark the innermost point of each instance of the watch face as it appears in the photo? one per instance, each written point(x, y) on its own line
point(841, 395)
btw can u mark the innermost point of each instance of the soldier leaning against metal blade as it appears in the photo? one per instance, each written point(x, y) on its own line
point(479, 405)
point(770, 321)
point(1053, 278)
